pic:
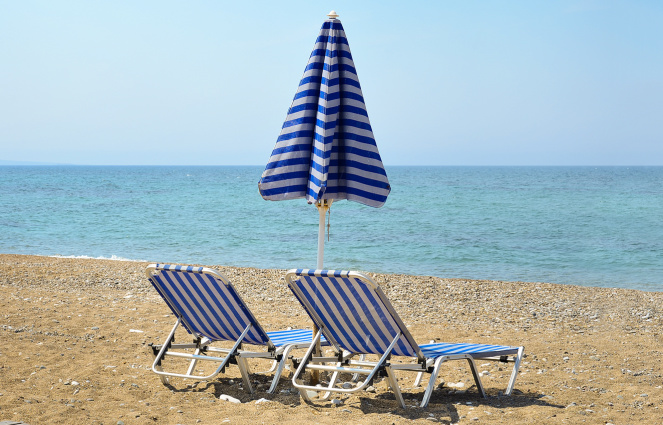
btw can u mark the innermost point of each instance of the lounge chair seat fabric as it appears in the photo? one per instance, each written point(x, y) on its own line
point(475, 350)
point(294, 336)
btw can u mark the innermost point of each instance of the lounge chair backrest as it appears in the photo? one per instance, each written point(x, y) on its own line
point(352, 311)
point(207, 303)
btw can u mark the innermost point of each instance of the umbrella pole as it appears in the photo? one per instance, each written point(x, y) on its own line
point(323, 207)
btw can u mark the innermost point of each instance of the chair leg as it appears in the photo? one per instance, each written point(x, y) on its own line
point(156, 365)
point(355, 377)
point(244, 370)
point(192, 365)
point(300, 371)
point(279, 368)
point(393, 383)
point(164, 378)
point(332, 382)
point(431, 382)
point(514, 373)
point(477, 378)
point(418, 379)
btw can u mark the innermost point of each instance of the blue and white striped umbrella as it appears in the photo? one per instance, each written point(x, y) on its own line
point(326, 149)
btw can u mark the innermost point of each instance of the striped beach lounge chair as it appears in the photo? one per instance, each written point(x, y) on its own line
point(356, 317)
point(208, 307)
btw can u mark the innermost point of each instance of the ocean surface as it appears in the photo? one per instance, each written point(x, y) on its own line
point(592, 226)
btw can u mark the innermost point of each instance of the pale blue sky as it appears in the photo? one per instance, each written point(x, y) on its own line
point(445, 83)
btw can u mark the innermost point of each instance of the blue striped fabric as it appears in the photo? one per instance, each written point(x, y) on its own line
point(475, 350)
point(294, 336)
point(208, 306)
point(326, 149)
point(323, 273)
point(352, 313)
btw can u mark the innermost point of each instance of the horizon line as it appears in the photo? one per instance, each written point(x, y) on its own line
point(48, 164)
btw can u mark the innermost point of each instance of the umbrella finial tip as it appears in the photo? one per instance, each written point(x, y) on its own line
point(332, 14)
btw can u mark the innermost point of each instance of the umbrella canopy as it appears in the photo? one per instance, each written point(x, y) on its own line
point(326, 150)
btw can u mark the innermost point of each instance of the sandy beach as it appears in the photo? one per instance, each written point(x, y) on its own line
point(74, 335)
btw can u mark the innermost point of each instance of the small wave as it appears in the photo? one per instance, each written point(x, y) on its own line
point(87, 257)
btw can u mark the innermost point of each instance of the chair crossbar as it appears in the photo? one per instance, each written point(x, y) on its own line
point(341, 369)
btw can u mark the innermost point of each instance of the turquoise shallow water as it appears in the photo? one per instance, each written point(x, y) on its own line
point(594, 226)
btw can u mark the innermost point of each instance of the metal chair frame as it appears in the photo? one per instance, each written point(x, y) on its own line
point(343, 362)
point(202, 347)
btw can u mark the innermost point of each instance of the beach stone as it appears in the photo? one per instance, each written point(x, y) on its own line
point(231, 399)
point(347, 385)
point(336, 402)
point(586, 386)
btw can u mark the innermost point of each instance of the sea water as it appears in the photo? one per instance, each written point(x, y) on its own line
point(593, 226)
